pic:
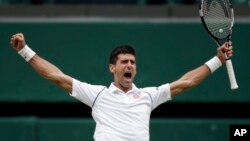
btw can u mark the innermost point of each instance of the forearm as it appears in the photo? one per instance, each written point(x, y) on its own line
point(51, 72)
point(199, 74)
point(195, 77)
point(189, 80)
point(44, 68)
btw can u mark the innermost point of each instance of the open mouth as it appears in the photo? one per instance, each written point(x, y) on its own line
point(128, 75)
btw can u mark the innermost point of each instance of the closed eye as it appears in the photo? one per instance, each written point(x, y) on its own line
point(127, 61)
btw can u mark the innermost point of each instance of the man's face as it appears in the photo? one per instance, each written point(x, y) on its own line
point(124, 71)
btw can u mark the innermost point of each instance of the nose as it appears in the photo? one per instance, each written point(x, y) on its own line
point(129, 64)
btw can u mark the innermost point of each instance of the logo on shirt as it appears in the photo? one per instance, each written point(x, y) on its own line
point(136, 95)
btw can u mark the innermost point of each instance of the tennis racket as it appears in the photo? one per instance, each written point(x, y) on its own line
point(217, 17)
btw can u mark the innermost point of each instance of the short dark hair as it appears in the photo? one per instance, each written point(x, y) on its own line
point(121, 49)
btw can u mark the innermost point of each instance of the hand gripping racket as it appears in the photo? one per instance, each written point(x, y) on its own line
point(217, 17)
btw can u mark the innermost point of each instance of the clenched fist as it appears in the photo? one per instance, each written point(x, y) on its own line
point(18, 41)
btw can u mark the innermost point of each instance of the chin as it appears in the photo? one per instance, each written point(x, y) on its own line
point(127, 84)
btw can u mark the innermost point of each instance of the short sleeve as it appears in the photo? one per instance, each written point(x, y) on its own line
point(159, 94)
point(85, 92)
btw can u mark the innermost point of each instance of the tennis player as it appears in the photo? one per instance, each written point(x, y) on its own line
point(121, 111)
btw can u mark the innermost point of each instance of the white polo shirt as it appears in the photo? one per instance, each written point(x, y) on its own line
point(121, 116)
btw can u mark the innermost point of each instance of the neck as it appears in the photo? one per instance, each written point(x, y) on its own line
point(123, 88)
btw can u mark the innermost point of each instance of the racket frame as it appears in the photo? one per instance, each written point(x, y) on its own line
point(229, 65)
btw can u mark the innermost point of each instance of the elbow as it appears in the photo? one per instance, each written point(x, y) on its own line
point(61, 80)
point(181, 86)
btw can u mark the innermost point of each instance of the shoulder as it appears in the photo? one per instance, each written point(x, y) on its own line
point(155, 89)
point(149, 89)
point(86, 86)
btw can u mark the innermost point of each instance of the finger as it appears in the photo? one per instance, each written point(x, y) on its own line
point(14, 37)
point(230, 53)
point(230, 48)
point(223, 48)
point(19, 35)
point(14, 41)
point(225, 44)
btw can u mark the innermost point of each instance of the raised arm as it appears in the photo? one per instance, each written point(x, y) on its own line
point(196, 76)
point(43, 67)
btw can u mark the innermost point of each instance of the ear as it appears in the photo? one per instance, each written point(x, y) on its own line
point(112, 68)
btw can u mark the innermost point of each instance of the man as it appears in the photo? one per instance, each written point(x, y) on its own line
point(121, 111)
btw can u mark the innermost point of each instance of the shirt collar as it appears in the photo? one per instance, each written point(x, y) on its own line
point(115, 90)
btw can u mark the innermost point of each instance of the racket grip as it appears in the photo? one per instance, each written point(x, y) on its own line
point(231, 74)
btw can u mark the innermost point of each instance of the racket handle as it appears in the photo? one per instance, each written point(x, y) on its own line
point(231, 74)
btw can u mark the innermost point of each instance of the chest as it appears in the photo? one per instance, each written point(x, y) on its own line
point(129, 103)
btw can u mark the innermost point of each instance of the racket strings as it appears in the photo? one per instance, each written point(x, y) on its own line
point(218, 17)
